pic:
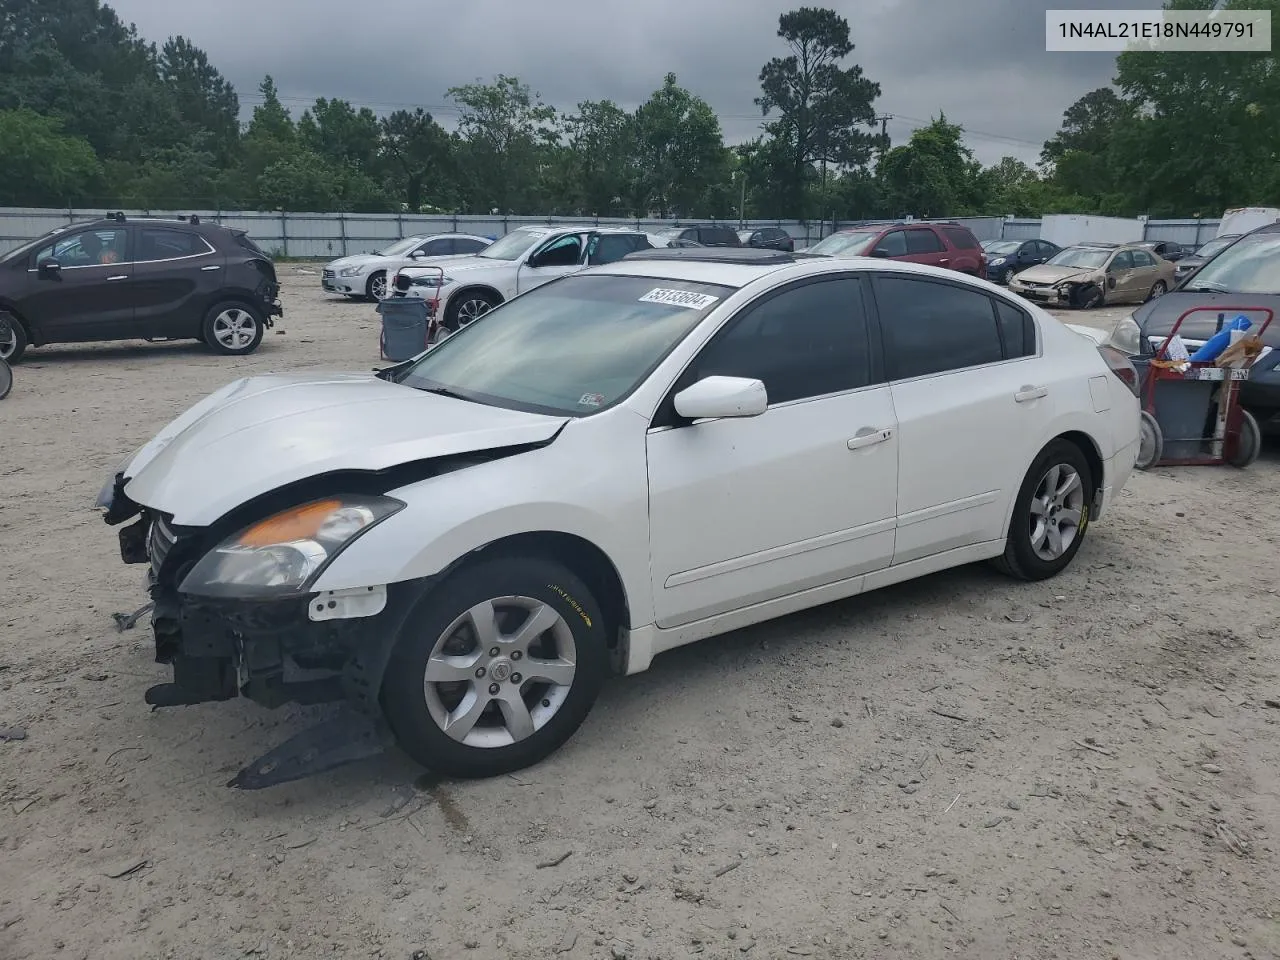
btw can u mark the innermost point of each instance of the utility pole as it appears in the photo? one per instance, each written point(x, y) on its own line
point(884, 134)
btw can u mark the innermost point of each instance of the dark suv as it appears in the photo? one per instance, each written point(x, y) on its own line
point(767, 238)
point(120, 279)
point(708, 235)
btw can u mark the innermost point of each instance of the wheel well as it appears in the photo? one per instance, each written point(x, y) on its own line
point(581, 556)
point(477, 287)
point(1086, 446)
point(22, 321)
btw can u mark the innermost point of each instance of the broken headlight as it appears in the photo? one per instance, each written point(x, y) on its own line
point(284, 553)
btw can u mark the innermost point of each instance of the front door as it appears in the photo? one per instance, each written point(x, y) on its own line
point(555, 258)
point(1121, 280)
point(743, 511)
point(88, 298)
point(972, 401)
point(176, 275)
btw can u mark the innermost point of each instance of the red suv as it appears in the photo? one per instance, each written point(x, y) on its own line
point(937, 244)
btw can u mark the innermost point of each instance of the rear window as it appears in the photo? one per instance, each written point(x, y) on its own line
point(242, 239)
point(961, 238)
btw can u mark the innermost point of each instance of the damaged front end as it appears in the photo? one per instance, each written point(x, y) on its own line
point(307, 647)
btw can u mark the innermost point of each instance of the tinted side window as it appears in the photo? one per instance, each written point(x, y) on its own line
point(961, 238)
point(1122, 261)
point(923, 241)
point(1143, 259)
point(931, 327)
point(608, 247)
point(804, 342)
point(1018, 330)
point(894, 243)
point(438, 248)
point(690, 234)
point(565, 252)
point(92, 248)
point(161, 244)
point(467, 245)
point(1047, 249)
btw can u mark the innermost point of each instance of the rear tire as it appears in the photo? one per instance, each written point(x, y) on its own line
point(1158, 289)
point(461, 709)
point(15, 344)
point(1050, 514)
point(1249, 443)
point(233, 329)
point(1151, 446)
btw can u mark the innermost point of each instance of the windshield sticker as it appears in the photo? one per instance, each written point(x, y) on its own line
point(679, 298)
point(591, 400)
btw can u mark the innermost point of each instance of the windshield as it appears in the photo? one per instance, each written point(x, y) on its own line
point(400, 247)
point(569, 348)
point(514, 245)
point(1081, 257)
point(1215, 247)
point(1252, 265)
point(1004, 246)
point(844, 242)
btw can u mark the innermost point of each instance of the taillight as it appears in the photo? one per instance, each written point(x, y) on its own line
point(1119, 364)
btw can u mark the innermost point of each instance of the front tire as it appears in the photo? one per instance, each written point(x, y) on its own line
point(14, 343)
point(233, 329)
point(376, 288)
point(497, 668)
point(1050, 515)
point(467, 307)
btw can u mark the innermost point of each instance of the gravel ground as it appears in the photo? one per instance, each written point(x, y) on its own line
point(960, 766)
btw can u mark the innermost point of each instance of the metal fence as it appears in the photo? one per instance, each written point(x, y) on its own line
point(329, 235)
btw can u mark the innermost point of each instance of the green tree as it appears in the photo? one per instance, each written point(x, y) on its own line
point(822, 107)
point(600, 156)
point(421, 160)
point(42, 165)
point(334, 129)
point(682, 163)
point(934, 174)
point(205, 100)
point(505, 131)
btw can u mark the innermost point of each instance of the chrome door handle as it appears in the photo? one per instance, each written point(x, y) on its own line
point(123, 276)
point(1030, 393)
point(214, 267)
point(944, 260)
point(869, 436)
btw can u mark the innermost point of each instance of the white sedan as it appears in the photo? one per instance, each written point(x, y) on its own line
point(365, 274)
point(525, 258)
point(629, 459)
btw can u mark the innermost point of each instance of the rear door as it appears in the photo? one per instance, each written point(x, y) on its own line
point(176, 277)
point(611, 247)
point(469, 244)
point(925, 246)
point(89, 298)
point(973, 401)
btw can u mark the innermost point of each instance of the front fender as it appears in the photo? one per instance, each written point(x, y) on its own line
point(447, 517)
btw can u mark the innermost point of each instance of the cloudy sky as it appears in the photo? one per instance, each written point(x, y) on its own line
point(982, 62)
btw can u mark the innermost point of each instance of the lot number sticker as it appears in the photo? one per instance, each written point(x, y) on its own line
point(679, 298)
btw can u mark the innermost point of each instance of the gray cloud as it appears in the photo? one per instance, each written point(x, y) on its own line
point(982, 62)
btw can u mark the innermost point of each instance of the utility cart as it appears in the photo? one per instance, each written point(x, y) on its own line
point(1192, 416)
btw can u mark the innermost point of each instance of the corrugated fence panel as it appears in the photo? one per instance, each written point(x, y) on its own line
point(329, 235)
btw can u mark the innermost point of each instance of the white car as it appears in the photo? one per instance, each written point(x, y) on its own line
point(636, 457)
point(523, 259)
point(365, 274)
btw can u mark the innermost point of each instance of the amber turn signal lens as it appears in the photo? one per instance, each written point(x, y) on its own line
point(300, 523)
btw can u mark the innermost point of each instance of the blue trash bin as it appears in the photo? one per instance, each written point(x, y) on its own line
point(405, 327)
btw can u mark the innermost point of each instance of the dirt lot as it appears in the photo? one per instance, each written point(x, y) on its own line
point(961, 766)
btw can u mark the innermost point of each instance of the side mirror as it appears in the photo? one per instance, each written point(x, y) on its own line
point(417, 255)
point(880, 253)
point(51, 269)
point(717, 397)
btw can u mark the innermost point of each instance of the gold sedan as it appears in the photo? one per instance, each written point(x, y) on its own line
point(1092, 275)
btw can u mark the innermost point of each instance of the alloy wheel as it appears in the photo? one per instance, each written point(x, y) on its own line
point(235, 328)
point(8, 344)
point(378, 287)
point(500, 671)
point(1057, 509)
point(473, 309)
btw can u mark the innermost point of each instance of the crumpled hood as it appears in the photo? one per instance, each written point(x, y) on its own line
point(1045, 273)
point(260, 433)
